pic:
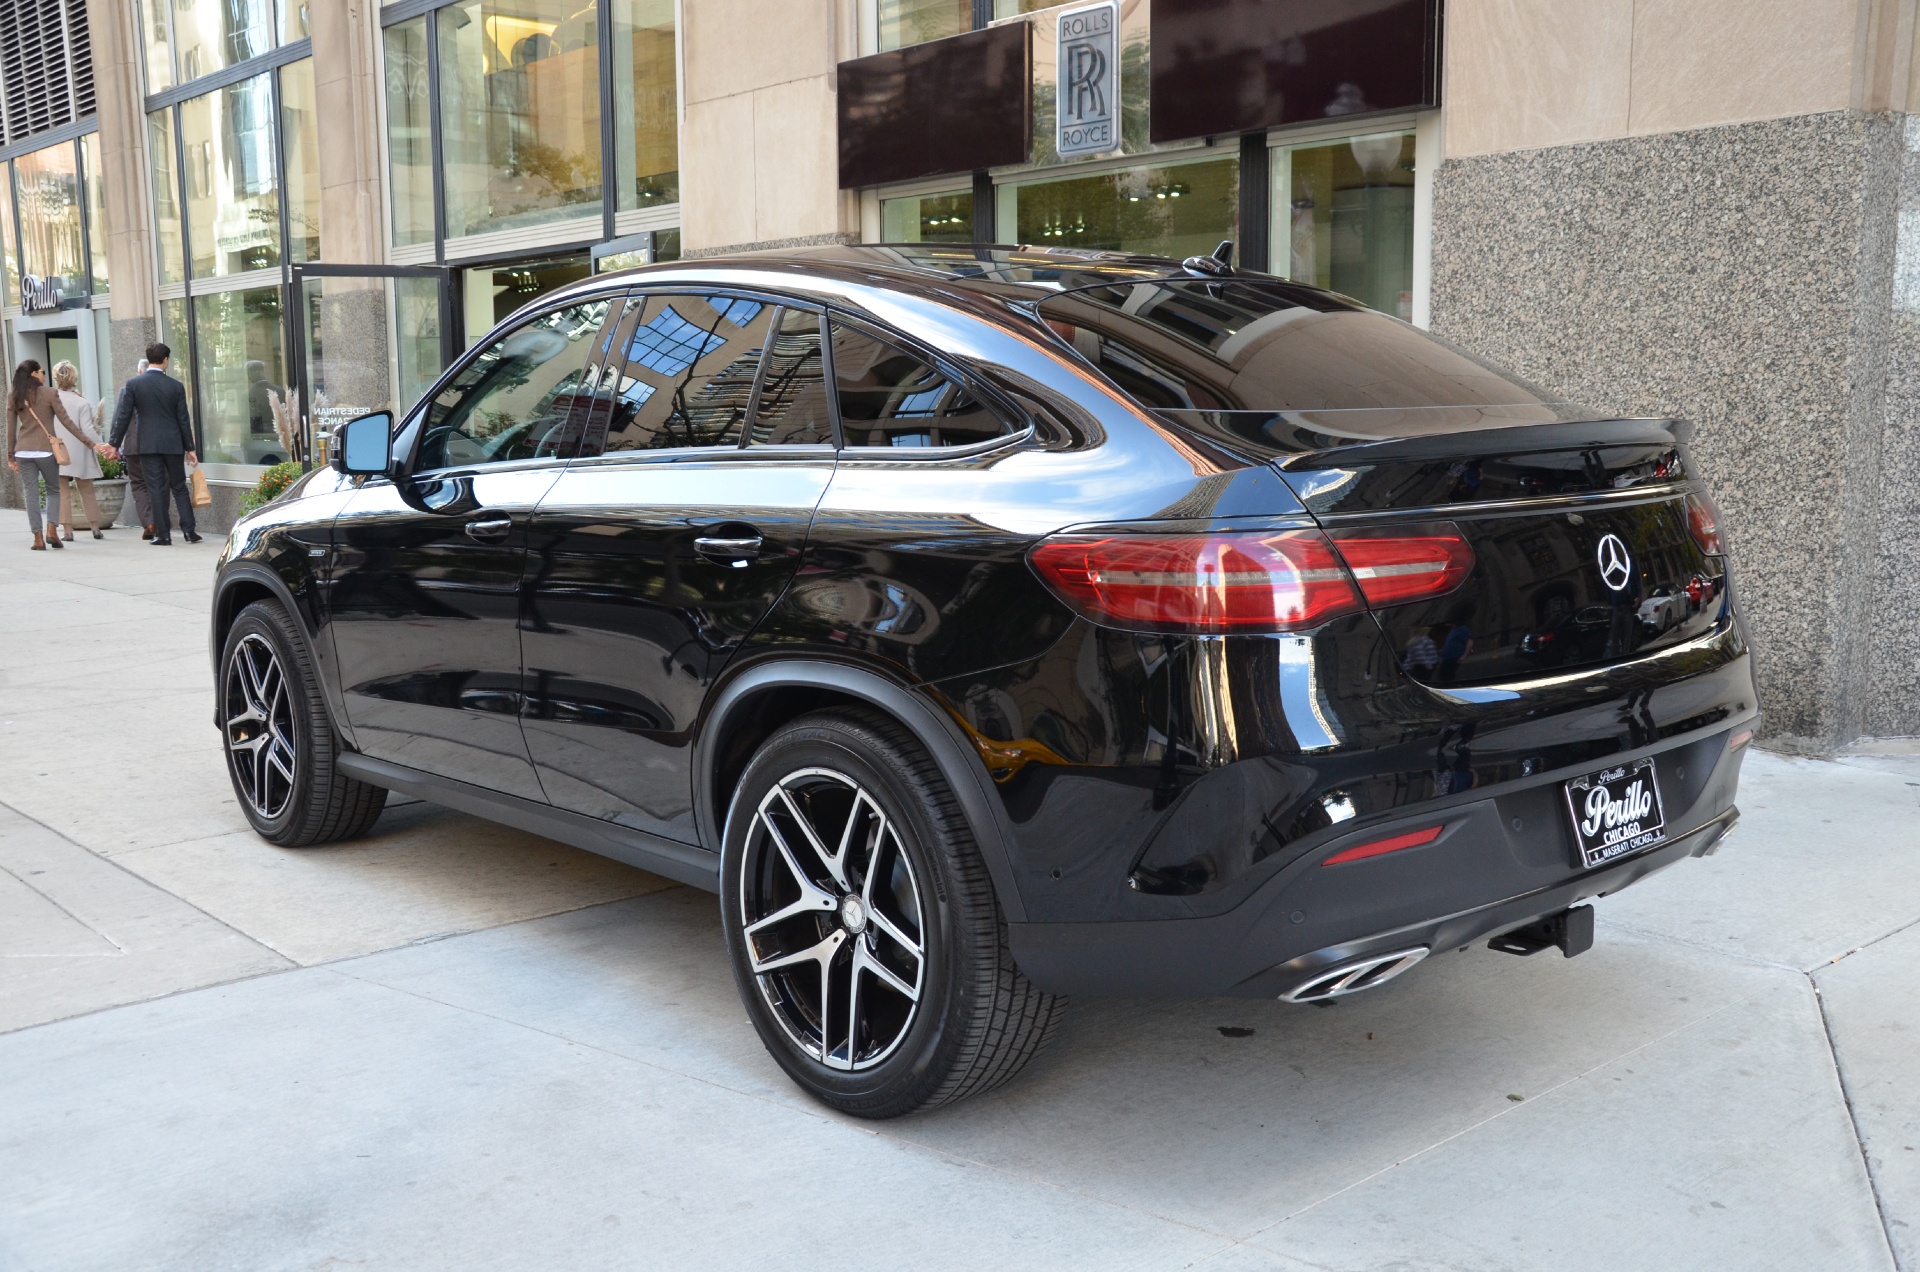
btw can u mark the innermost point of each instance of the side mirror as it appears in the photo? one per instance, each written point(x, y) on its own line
point(363, 446)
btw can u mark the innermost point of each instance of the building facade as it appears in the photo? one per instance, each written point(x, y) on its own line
point(1689, 207)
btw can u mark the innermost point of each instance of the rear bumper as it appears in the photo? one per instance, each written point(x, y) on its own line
point(1500, 864)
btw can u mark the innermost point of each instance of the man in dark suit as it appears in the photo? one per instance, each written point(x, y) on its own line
point(166, 440)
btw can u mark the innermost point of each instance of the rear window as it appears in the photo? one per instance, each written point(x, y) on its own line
point(1268, 345)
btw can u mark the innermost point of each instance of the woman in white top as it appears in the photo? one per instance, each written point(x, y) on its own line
point(84, 465)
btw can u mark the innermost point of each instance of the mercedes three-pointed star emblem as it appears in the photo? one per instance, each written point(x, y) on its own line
point(1616, 566)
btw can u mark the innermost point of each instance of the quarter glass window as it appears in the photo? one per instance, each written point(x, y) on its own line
point(793, 409)
point(889, 397)
point(526, 396)
point(682, 371)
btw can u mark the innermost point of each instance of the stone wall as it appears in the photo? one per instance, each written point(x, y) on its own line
point(1741, 277)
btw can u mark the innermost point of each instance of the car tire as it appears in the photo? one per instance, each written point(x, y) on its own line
point(844, 847)
point(282, 751)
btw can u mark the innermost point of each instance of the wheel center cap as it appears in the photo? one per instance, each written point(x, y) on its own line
point(853, 915)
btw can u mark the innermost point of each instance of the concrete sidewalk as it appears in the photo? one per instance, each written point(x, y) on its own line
point(452, 1045)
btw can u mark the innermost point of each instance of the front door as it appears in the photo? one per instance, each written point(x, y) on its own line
point(425, 590)
point(658, 552)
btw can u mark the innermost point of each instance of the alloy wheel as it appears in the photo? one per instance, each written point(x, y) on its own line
point(832, 917)
point(259, 727)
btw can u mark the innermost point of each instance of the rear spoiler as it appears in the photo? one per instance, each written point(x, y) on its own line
point(1524, 439)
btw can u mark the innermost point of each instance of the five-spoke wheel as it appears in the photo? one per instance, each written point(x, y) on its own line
point(864, 931)
point(259, 725)
point(830, 907)
point(280, 743)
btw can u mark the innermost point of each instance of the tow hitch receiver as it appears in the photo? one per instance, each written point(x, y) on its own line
point(1571, 930)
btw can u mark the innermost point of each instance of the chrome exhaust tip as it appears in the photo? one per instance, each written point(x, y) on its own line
point(1351, 978)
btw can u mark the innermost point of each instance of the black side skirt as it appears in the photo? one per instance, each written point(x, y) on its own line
point(683, 863)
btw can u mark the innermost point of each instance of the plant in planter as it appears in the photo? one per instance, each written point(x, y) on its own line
point(272, 484)
point(110, 489)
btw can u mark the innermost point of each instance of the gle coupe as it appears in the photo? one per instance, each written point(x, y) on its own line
point(988, 625)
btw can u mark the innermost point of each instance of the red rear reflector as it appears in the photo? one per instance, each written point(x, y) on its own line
point(1277, 581)
point(1380, 847)
point(1740, 739)
point(1703, 519)
point(1406, 563)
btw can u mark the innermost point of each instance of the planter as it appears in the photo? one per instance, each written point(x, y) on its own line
point(112, 494)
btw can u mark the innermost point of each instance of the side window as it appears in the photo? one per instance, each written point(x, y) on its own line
point(890, 397)
point(526, 396)
point(681, 372)
point(793, 408)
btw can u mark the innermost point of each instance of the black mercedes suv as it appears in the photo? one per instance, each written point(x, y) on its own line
point(987, 625)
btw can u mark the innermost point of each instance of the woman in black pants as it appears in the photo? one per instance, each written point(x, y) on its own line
point(32, 408)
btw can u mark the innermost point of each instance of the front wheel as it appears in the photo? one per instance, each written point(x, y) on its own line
point(282, 752)
point(864, 933)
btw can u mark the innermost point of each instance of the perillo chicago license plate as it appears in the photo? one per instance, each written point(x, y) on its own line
point(1616, 812)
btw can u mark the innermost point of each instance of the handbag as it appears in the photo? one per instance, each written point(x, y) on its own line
point(59, 448)
point(202, 497)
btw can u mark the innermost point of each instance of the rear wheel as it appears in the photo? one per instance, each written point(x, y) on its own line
point(863, 929)
point(282, 752)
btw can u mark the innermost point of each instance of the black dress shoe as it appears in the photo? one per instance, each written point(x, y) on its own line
point(159, 542)
point(191, 537)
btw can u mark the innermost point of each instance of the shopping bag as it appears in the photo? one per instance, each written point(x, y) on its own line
point(202, 497)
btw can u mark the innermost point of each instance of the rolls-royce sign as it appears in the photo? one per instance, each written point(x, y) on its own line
point(1087, 80)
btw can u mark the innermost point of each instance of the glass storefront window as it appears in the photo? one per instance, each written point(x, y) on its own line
point(928, 218)
point(96, 209)
point(646, 104)
point(9, 257)
point(293, 21)
point(520, 93)
point(173, 334)
point(170, 257)
point(210, 35)
point(47, 187)
point(494, 292)
point(1175, 210)
point(233, 197)
point(409, 133)
point(158, 49)
point(1343, 218)
point(300, 135)
point(904, 22)
point(242, 370)
point(1014, 8)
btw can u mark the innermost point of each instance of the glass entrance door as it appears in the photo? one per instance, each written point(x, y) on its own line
point(366, 338)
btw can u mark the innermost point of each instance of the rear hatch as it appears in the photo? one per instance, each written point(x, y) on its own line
point(1591, 541)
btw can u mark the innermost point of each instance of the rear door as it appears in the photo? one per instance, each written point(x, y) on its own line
point(424, 600)
point(661, 548)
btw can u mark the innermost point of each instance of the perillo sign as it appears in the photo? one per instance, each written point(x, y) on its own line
point(1087, 80)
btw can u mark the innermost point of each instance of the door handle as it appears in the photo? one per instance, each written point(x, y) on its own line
point(734, 552)
point(487, 529)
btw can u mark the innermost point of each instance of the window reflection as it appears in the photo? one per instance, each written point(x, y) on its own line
point(299, 133)
point(96, 209)
point(1173, 210)
point(904, 22)
point(646, 104)
point(242, 373)
point(47, 185)
point(409, 133)
point(153, 40)
point(928, 218)
point(9, 256)
point(233, 207)
point(210, 35)
point(1344, 219)
point(520, 105)
point(168, 252)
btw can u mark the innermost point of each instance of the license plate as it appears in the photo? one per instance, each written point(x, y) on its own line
point(1616, 812)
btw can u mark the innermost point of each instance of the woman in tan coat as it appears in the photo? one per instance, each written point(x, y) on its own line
point(32, 412)
point(83, 444)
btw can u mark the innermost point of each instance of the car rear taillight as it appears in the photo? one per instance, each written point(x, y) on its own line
point(1405, 563)
point(1703, 519)
point(1274, 581)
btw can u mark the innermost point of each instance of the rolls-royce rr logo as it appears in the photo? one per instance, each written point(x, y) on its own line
point(1616, 567)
